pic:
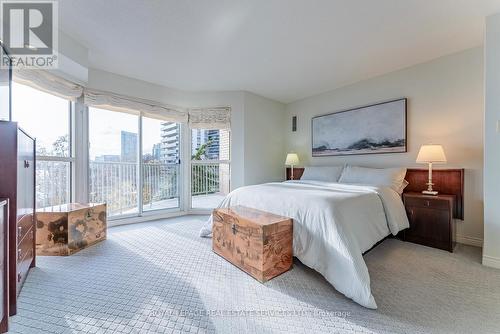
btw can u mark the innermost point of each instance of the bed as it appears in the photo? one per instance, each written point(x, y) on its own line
point(334, 224)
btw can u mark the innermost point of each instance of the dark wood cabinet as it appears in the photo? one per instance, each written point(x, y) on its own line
point(4, 270)
point(431, 220)
point(17, 179)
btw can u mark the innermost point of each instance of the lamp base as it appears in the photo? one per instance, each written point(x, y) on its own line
point(430, 192)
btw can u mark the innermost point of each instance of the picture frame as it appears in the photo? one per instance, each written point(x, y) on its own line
point(379, 128)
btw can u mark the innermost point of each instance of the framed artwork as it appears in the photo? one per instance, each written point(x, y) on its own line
point(374, 129)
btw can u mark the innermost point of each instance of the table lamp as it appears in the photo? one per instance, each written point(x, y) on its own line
point(431, 154)
point(292, 159)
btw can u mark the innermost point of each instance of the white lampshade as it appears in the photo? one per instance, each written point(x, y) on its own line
point(292, 159)
point(431, 153)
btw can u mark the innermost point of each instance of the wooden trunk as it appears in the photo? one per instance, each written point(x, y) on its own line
point(66, 229)
point(258, 242)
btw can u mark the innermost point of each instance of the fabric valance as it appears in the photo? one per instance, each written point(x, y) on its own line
point(48, 82)
point(115, 102)
point(198, 118)
point(210, 118)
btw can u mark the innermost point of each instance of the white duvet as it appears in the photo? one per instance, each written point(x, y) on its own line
point(334, 224)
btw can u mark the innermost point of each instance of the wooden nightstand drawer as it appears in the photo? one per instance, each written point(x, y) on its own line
point(431, 220)
point(425, 202)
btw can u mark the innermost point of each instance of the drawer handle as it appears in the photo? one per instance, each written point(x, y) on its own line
point(20, 230)
point(32, 234)
point(26, 164)
point(19, 251)
point(427, 203)
point(233, 228)
point(19, 277)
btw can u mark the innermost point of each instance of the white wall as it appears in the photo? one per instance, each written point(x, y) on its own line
point(265, 123)
point(72, 59)
point(445, 106)
point(491, 251)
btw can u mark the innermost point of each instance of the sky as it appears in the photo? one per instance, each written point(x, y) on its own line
point(46, 117)
point(42, 115)
point(105, 131)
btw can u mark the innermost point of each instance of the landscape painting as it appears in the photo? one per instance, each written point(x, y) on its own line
point(378, 128)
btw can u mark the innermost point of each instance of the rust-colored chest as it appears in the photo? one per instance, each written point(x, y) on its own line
point(258, 242)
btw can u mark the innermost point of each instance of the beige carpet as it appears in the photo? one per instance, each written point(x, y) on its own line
point(160, 277)
point(435, 290)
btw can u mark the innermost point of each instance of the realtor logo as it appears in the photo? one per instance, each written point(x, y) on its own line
point(29, 33)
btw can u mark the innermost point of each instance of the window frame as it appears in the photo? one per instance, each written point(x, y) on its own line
point(137, 174)
point(79, 161)
point(180, 177)
point(141, 213)
point(189, 201)
point(71, 159)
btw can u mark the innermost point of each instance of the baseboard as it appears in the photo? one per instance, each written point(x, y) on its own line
point(471, 241)
point(145, 218)
point(491, 261)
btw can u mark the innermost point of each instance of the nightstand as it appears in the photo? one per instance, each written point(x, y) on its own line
point(431, 220)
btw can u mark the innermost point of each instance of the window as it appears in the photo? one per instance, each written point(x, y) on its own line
point(113, 160)
point(210, 167)
point(48, 119)
point(134, 162)
point(4, 92)
point(115, 171)
point(160, 164)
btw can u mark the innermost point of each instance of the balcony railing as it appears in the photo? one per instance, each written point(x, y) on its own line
point(205, 178)
point(116, 184)
point(52, 183)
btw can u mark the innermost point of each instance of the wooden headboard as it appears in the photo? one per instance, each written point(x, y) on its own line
point(297, 173)
point(446, 181)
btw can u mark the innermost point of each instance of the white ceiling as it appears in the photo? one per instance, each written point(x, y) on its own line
point(282, 49)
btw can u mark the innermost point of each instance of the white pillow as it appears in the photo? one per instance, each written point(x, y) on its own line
point(388, 177)
point(404, 184)
point(322, 173)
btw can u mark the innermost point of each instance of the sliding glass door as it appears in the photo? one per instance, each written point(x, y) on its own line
point(160, 164)
point(131, 186)
point(113, 161)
